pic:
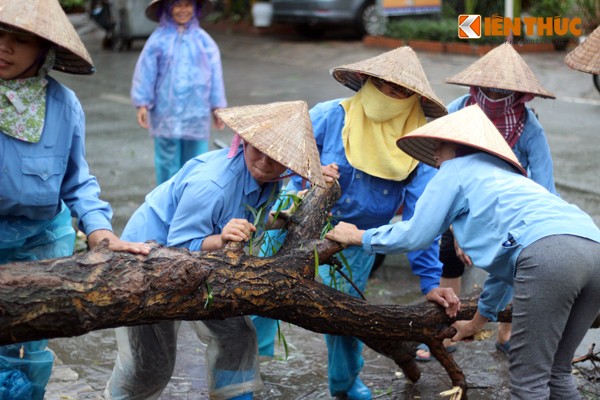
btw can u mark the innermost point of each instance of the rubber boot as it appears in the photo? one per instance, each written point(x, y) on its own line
point(225, 378)
point(244, 396)
point(359, 391)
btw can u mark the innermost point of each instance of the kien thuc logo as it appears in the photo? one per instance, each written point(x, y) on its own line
point(469, 26)
point(472, 26)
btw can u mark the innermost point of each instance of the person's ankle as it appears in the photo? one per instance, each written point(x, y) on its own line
point(503, 334)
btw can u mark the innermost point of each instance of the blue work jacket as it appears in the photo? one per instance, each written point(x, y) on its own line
point(368, 201)
point(199, 201)
point(495, 213)
point(36, 177)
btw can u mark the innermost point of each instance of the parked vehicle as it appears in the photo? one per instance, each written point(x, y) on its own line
point(312, 17)
point(123, 21)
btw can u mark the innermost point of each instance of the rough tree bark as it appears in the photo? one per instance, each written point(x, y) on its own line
point(104, 289)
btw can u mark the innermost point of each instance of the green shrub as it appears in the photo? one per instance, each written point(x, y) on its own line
point(450, 9)
point(440, 30)
point(551, 8)
point(402, 28)
point(71, 5)
point(425, 29)
point(487, 8)
point(589, 11)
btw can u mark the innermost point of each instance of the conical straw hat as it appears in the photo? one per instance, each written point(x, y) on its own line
point(469, 126)
point(46, 19)
point(282, 131)
point(586, 56)
point(400, 66)
point(153, 10)
point(501, 68)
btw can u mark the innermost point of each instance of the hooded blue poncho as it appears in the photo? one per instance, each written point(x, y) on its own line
point(179, 78)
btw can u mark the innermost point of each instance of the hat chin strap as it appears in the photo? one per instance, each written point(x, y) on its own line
point(235, 144)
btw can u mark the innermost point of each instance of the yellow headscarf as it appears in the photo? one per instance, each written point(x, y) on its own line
point(373, 124)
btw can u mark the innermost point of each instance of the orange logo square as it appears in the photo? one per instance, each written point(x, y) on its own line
point(469, 26)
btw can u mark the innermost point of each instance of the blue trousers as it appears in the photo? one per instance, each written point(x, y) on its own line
point(171, 154)
point(266, 330)
point(25, 368)
point(344, 353)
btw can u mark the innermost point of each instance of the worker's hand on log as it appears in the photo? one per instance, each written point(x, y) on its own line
point(330, 172)
point(116, 244)
point(301, 195)
point(346, 234)
point(446, 298)
point(278, 219)
point(466, 329)
point(237, 230)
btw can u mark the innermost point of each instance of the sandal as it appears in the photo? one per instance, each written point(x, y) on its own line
point(503, 348)
point(424, 347)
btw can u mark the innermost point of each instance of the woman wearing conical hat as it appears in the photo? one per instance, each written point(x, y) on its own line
point(357, 137)
point(44, 178)
point(206, 204)
point(501, 84)
point(529, 240)
point(586, 56)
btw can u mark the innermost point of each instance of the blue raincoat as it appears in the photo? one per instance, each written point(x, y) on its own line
point(179, 78)
point(41, 185)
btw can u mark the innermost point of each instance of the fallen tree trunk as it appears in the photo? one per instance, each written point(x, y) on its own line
point(104, 289)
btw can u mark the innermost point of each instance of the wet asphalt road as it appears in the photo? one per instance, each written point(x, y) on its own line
point(262, 69)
